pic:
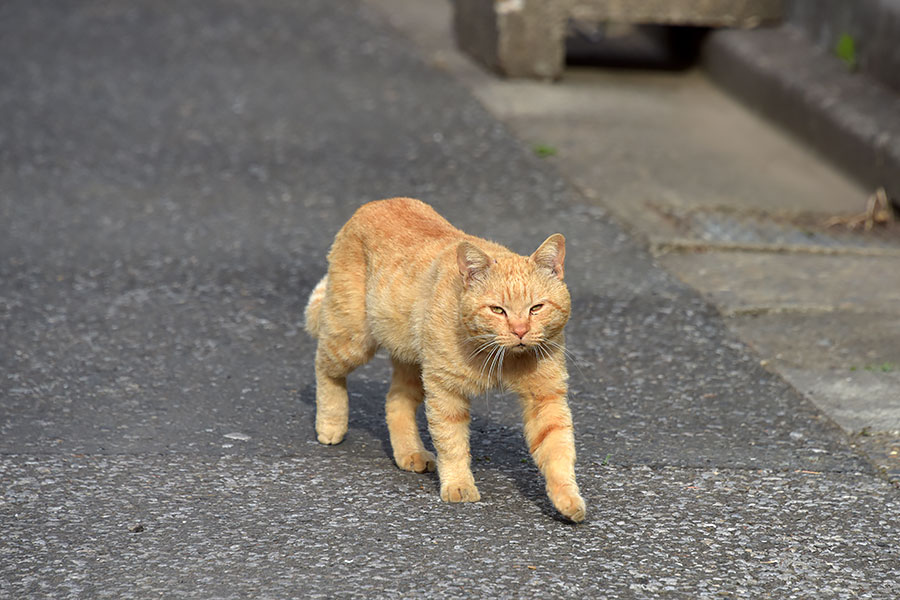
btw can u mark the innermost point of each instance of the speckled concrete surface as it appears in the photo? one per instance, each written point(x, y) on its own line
point(170, 181)
point(238, 527)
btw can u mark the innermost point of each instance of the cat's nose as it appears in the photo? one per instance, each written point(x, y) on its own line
point(519, 328)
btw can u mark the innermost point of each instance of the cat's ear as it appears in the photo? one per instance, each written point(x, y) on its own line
point(552, 254)
point(472, 262)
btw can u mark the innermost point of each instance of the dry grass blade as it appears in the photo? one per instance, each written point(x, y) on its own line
point(878, 212)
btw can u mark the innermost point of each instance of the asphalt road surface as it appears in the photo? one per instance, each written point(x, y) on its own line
point(171, 176)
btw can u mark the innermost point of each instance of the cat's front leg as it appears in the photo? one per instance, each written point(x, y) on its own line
point(551, 441)
point(448, 423)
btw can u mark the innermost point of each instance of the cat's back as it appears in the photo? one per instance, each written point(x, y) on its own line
point(400, 222)
point(392, 234)
point(396, 253)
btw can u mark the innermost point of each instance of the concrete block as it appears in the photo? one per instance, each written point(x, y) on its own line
point(702, 13)
point(526, 38)
point(516, 38)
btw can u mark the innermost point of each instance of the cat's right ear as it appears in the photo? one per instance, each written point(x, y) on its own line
point(472, 262)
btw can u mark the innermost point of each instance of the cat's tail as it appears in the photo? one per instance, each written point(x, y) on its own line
point(314, 307)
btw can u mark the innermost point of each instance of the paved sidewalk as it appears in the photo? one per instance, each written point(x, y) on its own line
point(170, 179)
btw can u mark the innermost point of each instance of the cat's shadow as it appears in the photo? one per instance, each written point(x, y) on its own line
point(495, 445)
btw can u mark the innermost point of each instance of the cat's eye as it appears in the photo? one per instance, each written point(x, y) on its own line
point(536, 308)
point(497, 310)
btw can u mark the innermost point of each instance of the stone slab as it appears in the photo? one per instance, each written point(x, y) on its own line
point(838, 341)
point(741, 283)
point(863, 400)
point(526, 38)
point(697, 13)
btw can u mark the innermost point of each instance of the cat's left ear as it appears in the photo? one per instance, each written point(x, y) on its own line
point(552, 254)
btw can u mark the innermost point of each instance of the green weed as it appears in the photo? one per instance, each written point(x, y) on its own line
point(544, 150)
point(845, 49)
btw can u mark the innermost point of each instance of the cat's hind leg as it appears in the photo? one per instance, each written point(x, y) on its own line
point(403, 399)
point(345, 343)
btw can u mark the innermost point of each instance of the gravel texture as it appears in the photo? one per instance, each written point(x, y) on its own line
point(239, 527)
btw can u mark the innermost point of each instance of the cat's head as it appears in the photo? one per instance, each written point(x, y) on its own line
point(514, 301)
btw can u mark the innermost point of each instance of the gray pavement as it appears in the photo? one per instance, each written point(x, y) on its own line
point(170, 180)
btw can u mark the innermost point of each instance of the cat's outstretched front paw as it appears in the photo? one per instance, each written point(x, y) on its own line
point(418, 462)
point(569, 502)
point(459, 492)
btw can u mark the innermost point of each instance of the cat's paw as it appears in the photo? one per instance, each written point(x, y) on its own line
point(570, 503)
point(459, 492)
point(330, 435)
point(418, 462)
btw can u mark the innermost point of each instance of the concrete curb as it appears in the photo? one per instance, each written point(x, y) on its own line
point(850, 118)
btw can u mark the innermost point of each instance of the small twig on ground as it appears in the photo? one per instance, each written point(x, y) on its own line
point(878, 212)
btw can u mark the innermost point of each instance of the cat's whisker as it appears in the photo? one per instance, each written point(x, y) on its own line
point(484, 364)
point(571, 357)
point(483, 346)
point(557, 345)
point(498, 357)
point(540, 352)
point(546, 352)
point(494, 364)
point(486, 361)
point(477, 351)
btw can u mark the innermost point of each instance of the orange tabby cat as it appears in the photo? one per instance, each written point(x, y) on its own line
point(459, 315)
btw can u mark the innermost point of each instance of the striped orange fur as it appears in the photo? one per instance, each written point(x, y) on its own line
point(459, 315)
